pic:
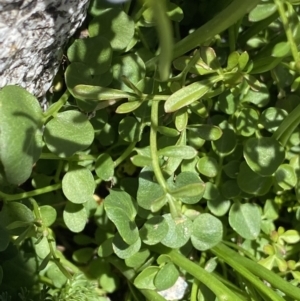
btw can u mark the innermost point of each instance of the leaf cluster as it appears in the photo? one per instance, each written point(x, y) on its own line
point(169, 161)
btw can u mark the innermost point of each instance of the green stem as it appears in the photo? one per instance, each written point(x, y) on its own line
point(165, 36)
point(251, 270)
point(56, 106)
point(58, 171)
point(230, 15)
point(25, 195)
point(208, 279)
point(287, 127)
point(130, 274)
point(231, 35)
point(219, 175)
point(238, 248)
point(153, 146)
point(76, 157)
point(256, 28)
point(287, 29)
point(125, 154)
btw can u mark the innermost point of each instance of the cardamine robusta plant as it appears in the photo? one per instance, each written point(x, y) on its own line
point(166, 167)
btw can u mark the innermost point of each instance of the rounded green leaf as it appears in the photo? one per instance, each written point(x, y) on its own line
point(211, 191)
point(251, 182)
point(122, 249)
point(208, 166)
point(154, 230)
point(206, 132)
point(130, 66)
point(245, 219)
point(75, 217)
point(261, 97)
point(271, 118)
point(281, 49)
point(12, 212)
point(228, 102)
point(68, 132)
point(233, 60)
point(80, 74)
point(179, 231)
point(290, 236)
point(121, 211)
point(141, 161)
point(95, 52)
point(115, 25)
point(226, 144)
point(262, 11)
point(263, 155)
point(188, 187)
point(105, 249)
point(83, 255)
point(218, 206)
point(104, 167)
point(231, 169)
point(230, 189)
point(138, 259)
point(78, 185)
point(42, 249)
point(286, 177)
point(20, 134)
point(130, 129)
point(56, 276)
point(48, 214)
point(166, 276)
point(207, 231)
point(246, 122)
point(145, 280)
point(148, 191)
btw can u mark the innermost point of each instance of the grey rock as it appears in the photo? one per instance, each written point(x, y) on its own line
point(32, 36)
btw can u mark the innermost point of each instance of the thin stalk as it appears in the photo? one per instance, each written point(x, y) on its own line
point(208, 279)
point(125, 154)
point(153, 146)
point(287, 127)
point(232, 38)
point(56, 106)
point(76, 157)
point(58, 171)
point(28, 194)
point(256, 28)
point(238, 248)
point(165, 36)
point(251, 270)
point(287, 29)
point(130, 274)
point(227, 17)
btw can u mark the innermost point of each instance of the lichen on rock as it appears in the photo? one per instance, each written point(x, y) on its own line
point(32, 36)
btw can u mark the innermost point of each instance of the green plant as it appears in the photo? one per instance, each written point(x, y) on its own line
point(157, 165)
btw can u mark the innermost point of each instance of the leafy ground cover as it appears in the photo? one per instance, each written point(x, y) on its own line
point(166, 166)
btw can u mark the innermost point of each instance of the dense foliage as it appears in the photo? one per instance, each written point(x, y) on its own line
point(169, 155)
